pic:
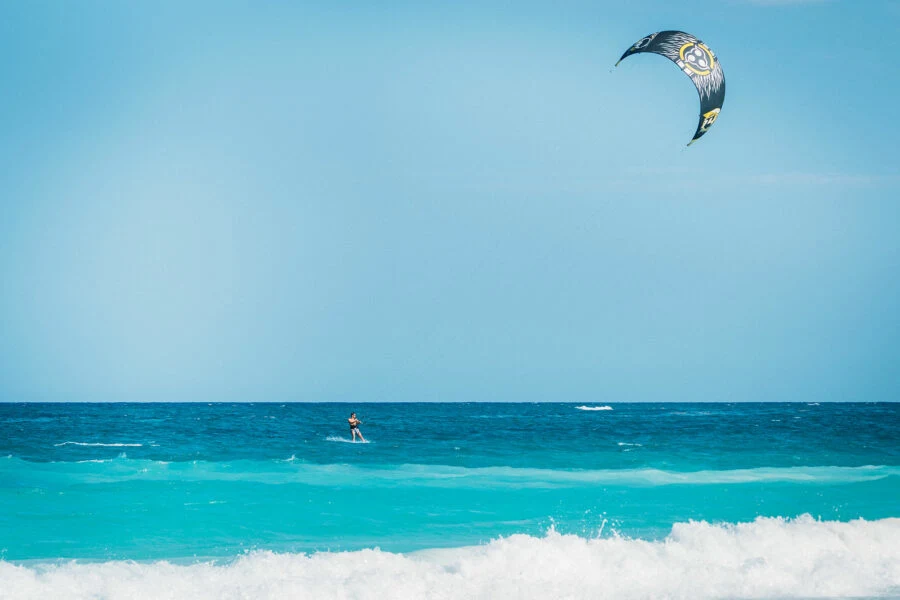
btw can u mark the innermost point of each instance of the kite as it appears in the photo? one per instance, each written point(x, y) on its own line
point(698, 62)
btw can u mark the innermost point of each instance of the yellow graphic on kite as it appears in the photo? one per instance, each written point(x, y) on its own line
point(709, 118)
point(697, 61)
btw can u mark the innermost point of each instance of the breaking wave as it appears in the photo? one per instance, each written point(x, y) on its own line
point(766, 558)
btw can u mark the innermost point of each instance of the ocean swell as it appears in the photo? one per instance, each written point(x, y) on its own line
point(294, 470)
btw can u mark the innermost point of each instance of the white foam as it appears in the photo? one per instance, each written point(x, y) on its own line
point(594, 407)
point(334, 438)
point(97, 444)
point(767, 558)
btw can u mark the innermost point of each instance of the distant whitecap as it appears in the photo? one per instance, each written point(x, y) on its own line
point(99, 444)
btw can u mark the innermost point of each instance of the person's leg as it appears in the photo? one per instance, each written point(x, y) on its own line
point(361, 438)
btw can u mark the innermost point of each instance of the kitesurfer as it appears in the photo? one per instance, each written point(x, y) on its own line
point(354, 427)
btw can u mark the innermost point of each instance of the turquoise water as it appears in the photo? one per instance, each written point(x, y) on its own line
point(192, 482)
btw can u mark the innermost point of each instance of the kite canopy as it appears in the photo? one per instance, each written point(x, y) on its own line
point(698, 62)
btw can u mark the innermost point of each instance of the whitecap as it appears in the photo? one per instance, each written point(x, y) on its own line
point(594, 407)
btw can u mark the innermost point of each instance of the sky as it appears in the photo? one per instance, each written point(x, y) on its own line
point(446, 201)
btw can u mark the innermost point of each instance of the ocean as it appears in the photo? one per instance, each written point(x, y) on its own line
point(450, 500)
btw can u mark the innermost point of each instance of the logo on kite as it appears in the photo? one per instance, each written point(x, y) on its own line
point(643, 42)
point(696, 59)
point(698, 62)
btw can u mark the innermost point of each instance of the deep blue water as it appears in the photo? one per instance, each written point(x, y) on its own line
point(176, 481)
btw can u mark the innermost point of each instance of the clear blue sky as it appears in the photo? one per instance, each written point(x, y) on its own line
point(357, 201)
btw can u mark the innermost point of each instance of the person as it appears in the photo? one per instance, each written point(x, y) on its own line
point(354, 427)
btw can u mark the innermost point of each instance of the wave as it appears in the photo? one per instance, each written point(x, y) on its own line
point(99, 444)
point(296, 470)
point(594, 407)
point(766, 558)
